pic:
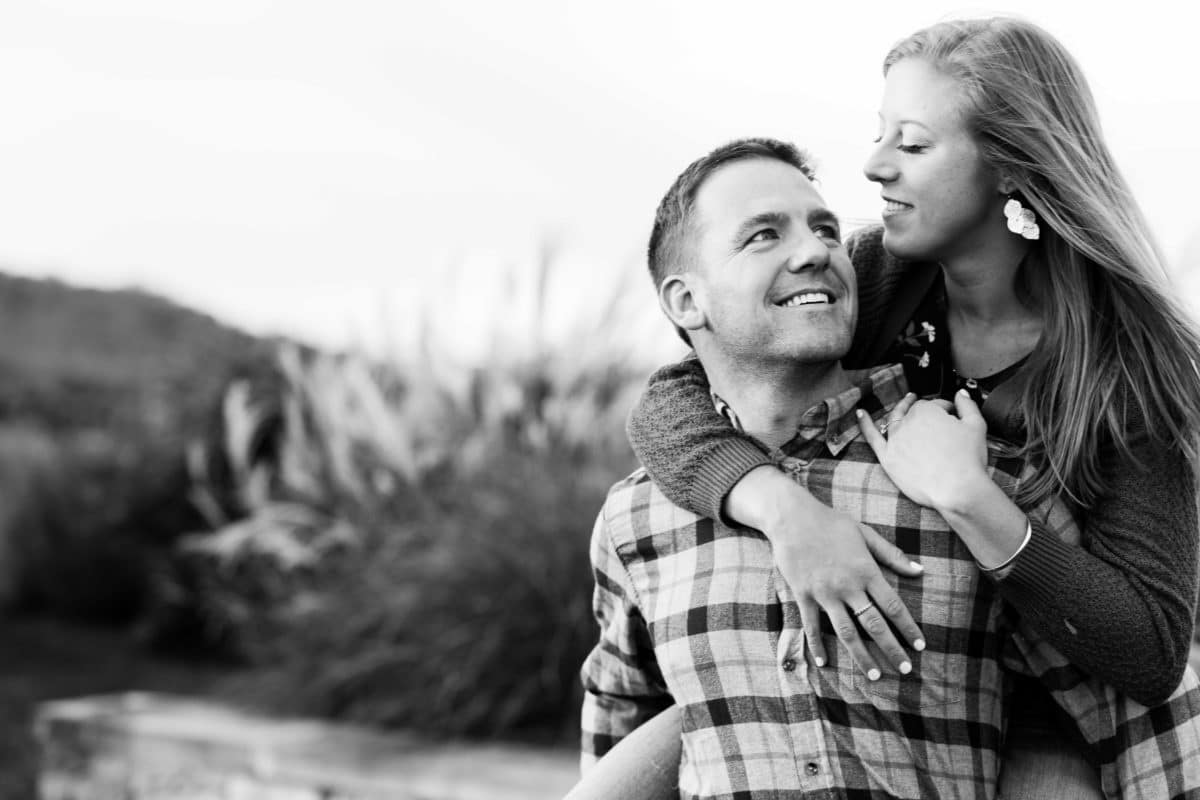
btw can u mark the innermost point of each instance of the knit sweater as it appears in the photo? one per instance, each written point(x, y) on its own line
point(1121, 605)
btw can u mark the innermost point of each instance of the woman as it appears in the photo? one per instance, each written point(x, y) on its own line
point(1014, 264)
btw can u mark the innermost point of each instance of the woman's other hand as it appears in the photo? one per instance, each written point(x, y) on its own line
point(831, 563)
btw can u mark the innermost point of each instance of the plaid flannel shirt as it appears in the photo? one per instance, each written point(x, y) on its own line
point(695, 612)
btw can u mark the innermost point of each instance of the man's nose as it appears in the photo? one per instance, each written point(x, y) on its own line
point(880, 166)
point(811, 252)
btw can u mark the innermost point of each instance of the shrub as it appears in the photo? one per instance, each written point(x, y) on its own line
point(410, 546)
point(95, 510)
point(102, 393)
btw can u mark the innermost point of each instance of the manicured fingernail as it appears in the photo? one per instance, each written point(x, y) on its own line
point(909, 396)
point(964, 392)
point(915, 565)
point(873, 675)
point(819, 661)
point(905, 667)
point(858, 412)
point(919, 645)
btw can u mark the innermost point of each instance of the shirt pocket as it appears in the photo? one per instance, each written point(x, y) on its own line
point(942, 604)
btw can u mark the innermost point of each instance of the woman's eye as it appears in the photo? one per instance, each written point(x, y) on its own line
point(912, 148)
point(766, 234)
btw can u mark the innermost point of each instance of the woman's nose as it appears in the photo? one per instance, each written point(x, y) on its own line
point(880, 167)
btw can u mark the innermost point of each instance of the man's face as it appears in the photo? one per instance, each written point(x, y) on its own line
point(770, 272)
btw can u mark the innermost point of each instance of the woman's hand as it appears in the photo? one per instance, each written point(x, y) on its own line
point(831, 563)
point(932, 456)
point(940, 461)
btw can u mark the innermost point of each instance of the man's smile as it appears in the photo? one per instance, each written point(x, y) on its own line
point(806, 297)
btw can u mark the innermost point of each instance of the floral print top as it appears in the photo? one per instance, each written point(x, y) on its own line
point(923, 348)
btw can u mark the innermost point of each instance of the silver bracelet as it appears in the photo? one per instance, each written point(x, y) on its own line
point(1013, 557)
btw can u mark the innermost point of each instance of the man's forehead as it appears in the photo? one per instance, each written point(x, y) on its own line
point(753, 186)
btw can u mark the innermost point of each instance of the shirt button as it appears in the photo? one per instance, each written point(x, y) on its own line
point(789, 665)
point(811, 768)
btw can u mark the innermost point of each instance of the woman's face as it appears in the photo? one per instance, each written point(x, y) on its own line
point(940, 198)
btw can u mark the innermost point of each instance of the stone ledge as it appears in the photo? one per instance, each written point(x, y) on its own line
point(140, 746)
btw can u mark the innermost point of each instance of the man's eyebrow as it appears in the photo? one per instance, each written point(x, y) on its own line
point(775, 219)
point(824, 215)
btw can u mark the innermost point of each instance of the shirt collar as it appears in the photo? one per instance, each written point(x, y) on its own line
point(832, 421)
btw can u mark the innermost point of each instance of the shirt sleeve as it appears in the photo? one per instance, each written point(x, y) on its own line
point(1142, 751)
point(690, 450)
point(1119, 601)
point(623, 686)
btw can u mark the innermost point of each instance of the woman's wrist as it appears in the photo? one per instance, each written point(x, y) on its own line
point(987, 521)
point(964, 494)
point(765, 498)
point(1001, 570)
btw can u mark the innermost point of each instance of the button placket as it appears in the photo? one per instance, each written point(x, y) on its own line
point(804, 726)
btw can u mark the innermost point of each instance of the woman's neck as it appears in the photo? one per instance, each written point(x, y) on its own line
point(981, 285)
point(990, 327)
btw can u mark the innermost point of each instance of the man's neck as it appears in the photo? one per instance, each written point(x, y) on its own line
point(769, 398)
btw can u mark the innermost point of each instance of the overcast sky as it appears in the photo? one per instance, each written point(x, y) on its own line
point(339, 170)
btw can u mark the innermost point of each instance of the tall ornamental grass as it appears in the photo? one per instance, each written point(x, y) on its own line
point(406, 544)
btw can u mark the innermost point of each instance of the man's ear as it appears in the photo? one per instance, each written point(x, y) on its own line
point(680, 302)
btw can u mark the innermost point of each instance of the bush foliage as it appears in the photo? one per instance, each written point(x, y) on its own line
point(102, 391)
point(406, 545)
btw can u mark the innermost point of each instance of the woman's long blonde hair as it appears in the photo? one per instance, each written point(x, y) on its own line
point(1115, 344)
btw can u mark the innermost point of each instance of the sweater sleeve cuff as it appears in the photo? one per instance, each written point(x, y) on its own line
point(723, 467)
point(1037, 572)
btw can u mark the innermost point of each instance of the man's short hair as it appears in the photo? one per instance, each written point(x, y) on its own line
point(667, 253)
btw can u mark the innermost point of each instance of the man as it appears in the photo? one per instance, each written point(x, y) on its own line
point(750, 268)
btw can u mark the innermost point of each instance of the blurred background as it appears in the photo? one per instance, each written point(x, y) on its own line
point(319, 322)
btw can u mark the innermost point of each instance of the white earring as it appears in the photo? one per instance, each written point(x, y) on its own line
point(1021, 220)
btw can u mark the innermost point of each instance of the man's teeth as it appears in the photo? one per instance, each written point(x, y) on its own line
point(805, 299)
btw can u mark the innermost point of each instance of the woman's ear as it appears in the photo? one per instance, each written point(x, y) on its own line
point(682, 302)
point(1006, 185)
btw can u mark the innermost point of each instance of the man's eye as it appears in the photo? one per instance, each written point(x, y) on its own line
point(828, 232)
point(766, 234)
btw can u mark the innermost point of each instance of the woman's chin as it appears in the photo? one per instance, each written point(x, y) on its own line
point(901, 244)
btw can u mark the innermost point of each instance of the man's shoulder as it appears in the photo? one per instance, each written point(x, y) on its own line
point(635, 508)
point(620, 494)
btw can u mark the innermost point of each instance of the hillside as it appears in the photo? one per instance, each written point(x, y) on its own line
point(123, 359)
point(100, 394)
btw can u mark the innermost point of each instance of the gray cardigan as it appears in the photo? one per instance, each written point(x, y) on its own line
point(1141, 541)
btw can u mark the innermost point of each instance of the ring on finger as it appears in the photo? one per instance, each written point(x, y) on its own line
point(864, 609)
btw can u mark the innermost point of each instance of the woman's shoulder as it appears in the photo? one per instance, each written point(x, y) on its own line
point(877, 269)
point(867, 236)
point(890, 289)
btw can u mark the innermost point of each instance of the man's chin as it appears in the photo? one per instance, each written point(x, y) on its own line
point(816, 353)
